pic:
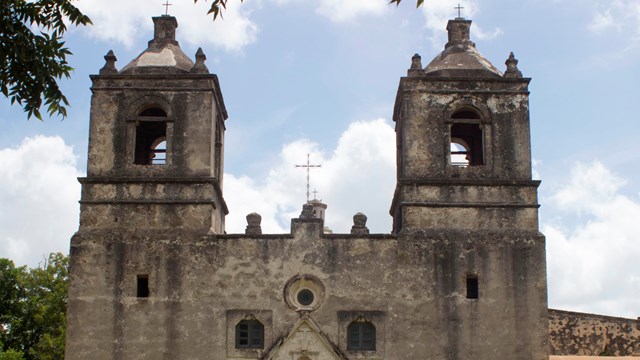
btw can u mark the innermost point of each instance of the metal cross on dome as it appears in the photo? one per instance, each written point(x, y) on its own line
point(308, 166)
point(166, 7)
point(459, 8)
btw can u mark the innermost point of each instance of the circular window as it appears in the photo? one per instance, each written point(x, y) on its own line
point(304, 293)
point(305, 297)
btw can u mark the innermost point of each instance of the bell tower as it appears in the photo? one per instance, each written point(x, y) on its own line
point(465, 196)
point(463, 143)
point(156, 142)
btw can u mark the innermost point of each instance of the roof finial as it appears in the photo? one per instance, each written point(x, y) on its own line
point(459, 8)
point(416, 62)
point(166, 7)
point(308, 166)
point(199, 66)
point(512, 67)
point(110, 64)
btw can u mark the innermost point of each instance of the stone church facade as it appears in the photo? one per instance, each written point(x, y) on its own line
point(461, 276)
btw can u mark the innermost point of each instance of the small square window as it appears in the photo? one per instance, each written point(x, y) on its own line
point(362, 333)
point(142, 287)
point(249, 334)
point(361, 336)
point(244, 340)
point(472, 287)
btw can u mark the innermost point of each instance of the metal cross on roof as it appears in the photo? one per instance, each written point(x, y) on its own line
point(308, 166)
point(166, 7)
point(315, 194)
point(459, 8)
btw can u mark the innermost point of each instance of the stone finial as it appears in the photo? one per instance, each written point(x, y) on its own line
point(307, 212)
point(164, 31)
point(110, 65)
point(253, 224)
point(416, 62)
point(359, 224)
point(199, 67)
point(459, 33)
point(416, 66)
point(512, 67)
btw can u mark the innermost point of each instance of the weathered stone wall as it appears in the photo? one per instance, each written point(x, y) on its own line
point(572, 333)
point(412, 287)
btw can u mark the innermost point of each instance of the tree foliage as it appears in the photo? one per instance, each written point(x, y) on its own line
point(11, 355)
point(397, 2)
point(33, 305)
point(217, 6)
point(33, 56)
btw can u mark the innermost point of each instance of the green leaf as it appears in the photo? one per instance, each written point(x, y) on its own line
point(32, 63)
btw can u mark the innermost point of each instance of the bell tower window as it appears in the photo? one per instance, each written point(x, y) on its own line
point(151, 137)
point(466, 146)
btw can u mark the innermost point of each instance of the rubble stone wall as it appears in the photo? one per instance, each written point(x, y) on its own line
point(572, 333)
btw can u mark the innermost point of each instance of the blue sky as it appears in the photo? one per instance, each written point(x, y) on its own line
point(319, 77)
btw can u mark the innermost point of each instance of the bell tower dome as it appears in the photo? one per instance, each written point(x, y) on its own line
point(156, 142)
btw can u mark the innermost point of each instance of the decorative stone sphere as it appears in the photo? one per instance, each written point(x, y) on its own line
point(359, 219)
point(254, 219)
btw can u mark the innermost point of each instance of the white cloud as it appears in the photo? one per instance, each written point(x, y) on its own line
point(126, 21)
point(39, 197)
point(619, 15)
point(593, 264)
point(591, 185)
point(357, 176)
point(244, 196)
point(616, 26)
point(342, 11)
point(602, 21)
point(481, 34)
point(438, 13)
point(535, 165)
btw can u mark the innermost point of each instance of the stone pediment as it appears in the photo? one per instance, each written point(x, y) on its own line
point(304, 342)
